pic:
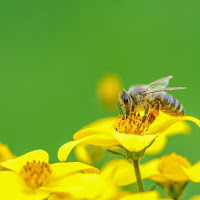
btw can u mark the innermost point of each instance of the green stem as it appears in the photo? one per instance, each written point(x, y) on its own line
point(138, 175)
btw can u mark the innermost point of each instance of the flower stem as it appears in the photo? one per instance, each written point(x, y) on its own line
point(138, 175)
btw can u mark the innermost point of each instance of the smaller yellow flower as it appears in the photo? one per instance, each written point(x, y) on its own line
point(173, 172)
point(32, 177)
point(194, 172)
point(128, 132)
point(5, 154)
point(89, 154)
point(172, 169)
point(108, 89)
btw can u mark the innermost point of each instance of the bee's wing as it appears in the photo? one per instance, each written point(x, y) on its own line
point(160, 83)
point(164, 89)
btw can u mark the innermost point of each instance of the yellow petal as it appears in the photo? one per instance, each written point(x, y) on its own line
point(62, 169)
point(177, 128)
point(82, 154)
point(100, 126)
point(105, 140)
point(194, 172)
point(123, 175)
point(109, 169)
point(79, 185)
point(171, 121)
point(111, 190)
point(159, 178)
point(13, 187)
point(126, 175)
point(17, 164)
point(152, 195)
point(89, 154)
point(173, 171)
point(134, 143)
point(165, 125)
point(88, 132)
point(158, 145)
point(5, 153)
point(103, 123)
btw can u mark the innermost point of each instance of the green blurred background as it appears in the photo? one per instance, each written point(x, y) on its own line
point(52, 53)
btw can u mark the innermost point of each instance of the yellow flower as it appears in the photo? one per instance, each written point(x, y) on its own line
point(128, 132)
point(5, 154)
point(152, 195)
point(108, 89)
point(32, 177)
point(172, 172)
point(89, 154)
point(173, 169)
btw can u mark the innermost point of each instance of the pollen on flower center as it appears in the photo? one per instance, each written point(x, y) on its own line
point(36, 174)
point(131, 124)
point(166, 160)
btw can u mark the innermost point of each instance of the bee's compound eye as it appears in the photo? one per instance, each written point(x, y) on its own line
point(126, 99)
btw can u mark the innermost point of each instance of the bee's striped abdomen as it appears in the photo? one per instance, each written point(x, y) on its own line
point(170, 105)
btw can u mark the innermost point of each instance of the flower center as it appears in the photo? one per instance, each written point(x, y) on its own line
point(36, 174)
point(131, 124)
point(167, 160)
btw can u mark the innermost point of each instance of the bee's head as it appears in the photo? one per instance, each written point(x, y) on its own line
point(125, 100)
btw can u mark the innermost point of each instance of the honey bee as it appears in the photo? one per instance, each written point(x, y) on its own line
point(151, 98)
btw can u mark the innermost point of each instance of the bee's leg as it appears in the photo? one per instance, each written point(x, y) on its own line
point(145, 114)
point(127, 112)
point(152, 116)
point(120, 108)
point(157, 109)
point(141, 126)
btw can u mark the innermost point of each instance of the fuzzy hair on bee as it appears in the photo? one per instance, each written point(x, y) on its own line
point(150, 97)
